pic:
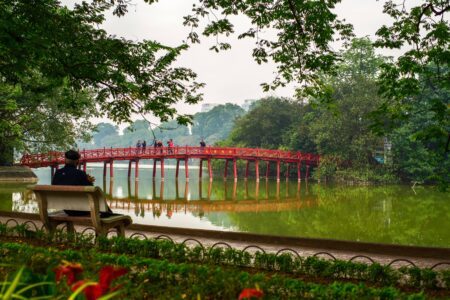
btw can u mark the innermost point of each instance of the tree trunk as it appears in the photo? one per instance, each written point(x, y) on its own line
point(6, 155)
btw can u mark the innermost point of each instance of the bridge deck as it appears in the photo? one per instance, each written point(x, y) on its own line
point(108, 154)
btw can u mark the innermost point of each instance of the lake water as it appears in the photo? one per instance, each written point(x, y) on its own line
point(388, 214)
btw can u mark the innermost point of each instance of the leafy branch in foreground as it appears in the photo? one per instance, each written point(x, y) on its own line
point(49, 49)
point(301, 46)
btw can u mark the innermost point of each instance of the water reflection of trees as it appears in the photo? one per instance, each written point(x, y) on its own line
point(390, 214)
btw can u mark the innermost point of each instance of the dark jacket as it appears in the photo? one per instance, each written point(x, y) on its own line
point(70, 175)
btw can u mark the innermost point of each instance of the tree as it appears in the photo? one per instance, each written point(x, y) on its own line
point(65, 49)
point(343, 129)
point(265, 124)
point(417, 157)
point(39, 114)
point(103, 130)
point(424, 31)
point(216, 124)
point(416, 87)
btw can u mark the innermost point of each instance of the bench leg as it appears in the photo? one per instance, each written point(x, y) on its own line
point(51, 227)
point(120, 230)
point(70, 230)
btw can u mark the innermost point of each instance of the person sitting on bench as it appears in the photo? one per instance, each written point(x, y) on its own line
point(70, 175)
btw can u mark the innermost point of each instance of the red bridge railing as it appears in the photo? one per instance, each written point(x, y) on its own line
point(110, 154)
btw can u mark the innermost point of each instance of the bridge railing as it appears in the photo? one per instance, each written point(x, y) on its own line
point(55, 157)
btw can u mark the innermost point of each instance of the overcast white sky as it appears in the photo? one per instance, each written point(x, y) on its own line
point(230, 76)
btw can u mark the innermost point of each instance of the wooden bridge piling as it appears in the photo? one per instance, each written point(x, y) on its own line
point(129, 168)
point(177, 169)
point(235, 170)
point(257, 190)
point(186, 168)
point(246, 169)
point(210, 170)
point(136, 169)
point(257, 170)
point(111, 187)
point(278, 171)
point(136, 189)
point(299, 177)
point(225, 172)
point(267, 169)
point(277, 196)
point(111, 170)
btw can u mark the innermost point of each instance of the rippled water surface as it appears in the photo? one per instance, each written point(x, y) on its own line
point(388, 214)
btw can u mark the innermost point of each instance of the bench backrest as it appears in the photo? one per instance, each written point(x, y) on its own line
point(65, 197)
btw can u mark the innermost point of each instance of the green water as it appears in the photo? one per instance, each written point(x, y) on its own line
point(387, 214)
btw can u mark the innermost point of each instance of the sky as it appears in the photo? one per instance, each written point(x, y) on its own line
point(230, 76)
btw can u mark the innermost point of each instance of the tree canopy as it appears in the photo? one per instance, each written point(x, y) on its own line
point(48, 49)
point(265, 124)
point(341, 130)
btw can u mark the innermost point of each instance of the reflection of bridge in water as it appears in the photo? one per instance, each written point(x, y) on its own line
point(203, 203)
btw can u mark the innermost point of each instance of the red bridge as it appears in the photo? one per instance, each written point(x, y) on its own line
point(134, 155)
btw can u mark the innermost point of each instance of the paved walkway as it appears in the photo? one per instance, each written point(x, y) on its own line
point(274, 248)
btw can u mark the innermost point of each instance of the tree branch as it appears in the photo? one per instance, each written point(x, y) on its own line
point(296, 16)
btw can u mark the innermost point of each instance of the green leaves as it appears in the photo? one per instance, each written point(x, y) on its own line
point(304, 31)
point(222, 26)
point(60, 62)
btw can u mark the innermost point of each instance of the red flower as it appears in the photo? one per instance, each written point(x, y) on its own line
point(69, 270)
point(250, 293)
point(91, 292)
point(107, 275)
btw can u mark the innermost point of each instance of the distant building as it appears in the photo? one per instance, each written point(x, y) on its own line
point(248, 103)
point(208, 106)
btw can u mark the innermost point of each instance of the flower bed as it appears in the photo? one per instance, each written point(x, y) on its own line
point(176, 270)
point(160, 279)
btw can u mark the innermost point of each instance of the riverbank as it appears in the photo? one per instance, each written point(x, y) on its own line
point(16, 174)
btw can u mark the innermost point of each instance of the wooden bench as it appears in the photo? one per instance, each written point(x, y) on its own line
point(88, 199)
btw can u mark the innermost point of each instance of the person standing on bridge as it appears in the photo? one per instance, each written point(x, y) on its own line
point(202, 145)
point(155, 145)
point(170, 146)
point(138, 146)
point(69, 174)
point(160, 146)
point(144, 145)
